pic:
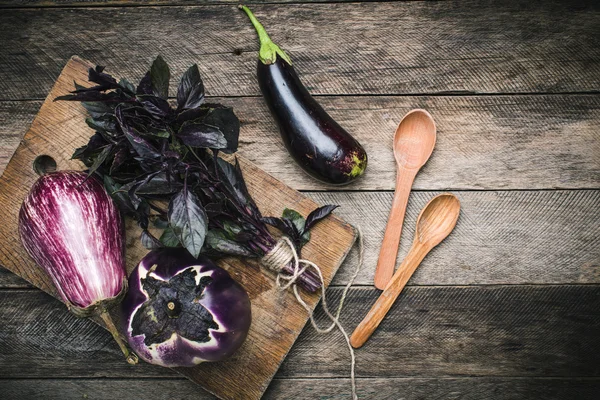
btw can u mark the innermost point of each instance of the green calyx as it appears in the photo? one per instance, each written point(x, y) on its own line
point(358, 166)
point(268, 50)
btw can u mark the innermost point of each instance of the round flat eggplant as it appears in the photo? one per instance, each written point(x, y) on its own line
point(181, 311)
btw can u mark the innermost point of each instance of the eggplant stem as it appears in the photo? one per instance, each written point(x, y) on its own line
point(130, 356)
point(268, 50)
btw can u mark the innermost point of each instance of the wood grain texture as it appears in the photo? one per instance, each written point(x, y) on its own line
point(540, 237)
point(338, 48)
point(484, 142)
point(137, 3)
point(143, 3)
point(10, 280)
point(15, 118)
point(560, 229)
point(277, 317)
point(309, 389)
point(533, 331)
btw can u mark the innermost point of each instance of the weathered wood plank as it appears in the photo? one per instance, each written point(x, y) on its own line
point(431, 331)
point(15, 118)
point(380, 48)
point(141, 3)
point(10, 280)
point(541, 237)
point(309, 389)
point(492, 330)
point(484, 142)
point(514, 142)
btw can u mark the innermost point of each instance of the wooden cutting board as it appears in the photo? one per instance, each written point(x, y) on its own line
point(277, 318)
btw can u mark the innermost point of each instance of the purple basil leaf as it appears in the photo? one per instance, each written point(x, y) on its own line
point(276, 222)
point(291, 229)
point(201, 135)
point(244, 237)
point(103, 156)
point(168, 238)
point(90, 96)
point(120, 197)
point(79, 153)
point(127, 86)
point(251, 207)
point(193, 114)
point(158, 133)
point(230, 179)
point(97, 109)
point(317, 215)
point(160, 223)
point(295, 218)
point(217, 241)
point(149, 241)
point(228, 123)
point(96, 88)
point(213, 209)
point(142, 215)
point(233, 183)
point(101, 78)
point(171, 154)
point(120, 157)
point(156, 106)
point(305, 238)
point(133, 196)
point(158, 185)
point(231, 228)
point(96, 142)
point(145, 86)
point(189, 221)
point(105, 124)
point(190, 93)
point(141, 146)
point(160, 76)
point(133, 187)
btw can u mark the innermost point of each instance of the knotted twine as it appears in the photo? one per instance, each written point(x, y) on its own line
point(284, 253)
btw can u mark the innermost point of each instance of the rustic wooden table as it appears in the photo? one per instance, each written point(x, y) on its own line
point(508, 307)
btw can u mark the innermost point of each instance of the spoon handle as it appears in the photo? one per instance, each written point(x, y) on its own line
point(393, 230)
point(385, 301)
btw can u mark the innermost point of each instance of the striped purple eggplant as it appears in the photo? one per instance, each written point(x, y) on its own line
point(71, 228)
point(181, 311)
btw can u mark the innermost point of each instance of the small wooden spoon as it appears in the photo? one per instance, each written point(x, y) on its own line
point(435, 222)
point(413, 145)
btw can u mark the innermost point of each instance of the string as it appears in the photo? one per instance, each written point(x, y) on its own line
point(283, 253)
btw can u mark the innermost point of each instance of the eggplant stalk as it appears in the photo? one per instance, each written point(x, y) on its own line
point(131, 357)
point(268, 50)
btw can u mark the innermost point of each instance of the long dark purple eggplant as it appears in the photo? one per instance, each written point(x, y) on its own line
point(318, 144)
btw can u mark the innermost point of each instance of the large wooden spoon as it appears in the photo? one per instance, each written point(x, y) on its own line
point(435, 222)
point(413, 145)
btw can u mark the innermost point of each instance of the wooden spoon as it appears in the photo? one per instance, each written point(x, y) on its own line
point(413, 144)
point(435, 222)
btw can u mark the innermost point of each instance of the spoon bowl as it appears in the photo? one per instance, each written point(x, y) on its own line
point(414, 139)
point(437, 219)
